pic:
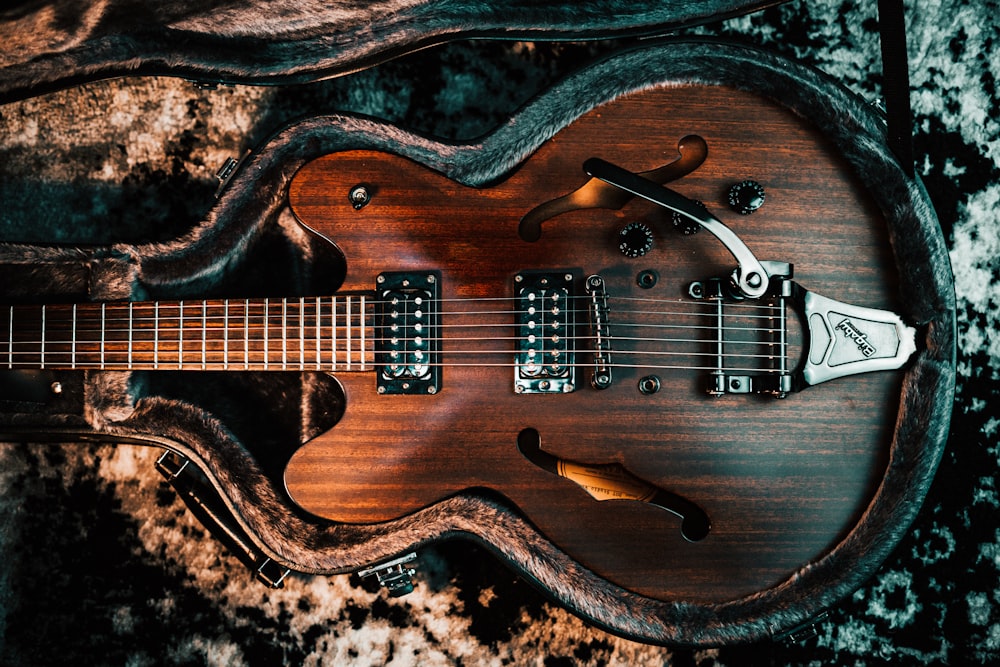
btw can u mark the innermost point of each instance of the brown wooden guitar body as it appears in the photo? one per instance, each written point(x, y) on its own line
point(782, 480)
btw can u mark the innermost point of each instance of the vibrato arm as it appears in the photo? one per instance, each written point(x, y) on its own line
point(843, 339)
point(750, 277)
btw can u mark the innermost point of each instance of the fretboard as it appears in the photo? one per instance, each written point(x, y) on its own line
point(328, 333)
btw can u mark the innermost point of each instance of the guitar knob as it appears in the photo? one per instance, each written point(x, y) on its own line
point(684, 224)
point(746, 197)
point(635, 239)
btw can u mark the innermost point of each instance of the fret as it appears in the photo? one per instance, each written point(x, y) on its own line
point(103, 323)
point(284, 334)
point(302, 333)
point(130, 334)
point(319, 321)
point(180, 335)
point(156, 334)
point(267, 325)
point(333, 327)
point(225, 335)
point(72, 339)
point(246, 333)
point(42, 344)
point(204, 334)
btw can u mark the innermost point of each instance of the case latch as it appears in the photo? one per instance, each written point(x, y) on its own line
point(396, 576)
point(803, 632)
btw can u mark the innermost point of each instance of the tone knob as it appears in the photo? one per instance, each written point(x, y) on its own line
point(684, 224)
point(746, 197)
point(635, 239)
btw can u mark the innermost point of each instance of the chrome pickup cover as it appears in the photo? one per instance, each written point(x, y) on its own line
point(407, 326)
point(544, 313)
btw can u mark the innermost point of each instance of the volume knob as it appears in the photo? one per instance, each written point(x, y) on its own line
point(635, 239)
point(746, 197)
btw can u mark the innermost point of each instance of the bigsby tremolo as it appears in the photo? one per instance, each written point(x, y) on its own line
point(842, 339)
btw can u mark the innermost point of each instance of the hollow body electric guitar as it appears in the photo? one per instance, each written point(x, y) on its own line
point(609, 340)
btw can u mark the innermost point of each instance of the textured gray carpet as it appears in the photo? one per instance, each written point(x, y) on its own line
point(103, 565)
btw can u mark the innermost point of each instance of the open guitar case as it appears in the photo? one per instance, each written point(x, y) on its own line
point(227, 436)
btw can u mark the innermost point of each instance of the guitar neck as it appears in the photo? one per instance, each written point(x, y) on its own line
point(316, 333)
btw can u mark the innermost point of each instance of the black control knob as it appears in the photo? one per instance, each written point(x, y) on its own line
point(684, 224)
point(635, 239)
point(746, 197)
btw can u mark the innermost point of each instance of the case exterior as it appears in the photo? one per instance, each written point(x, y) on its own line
point(239, 454)
point(58, 43)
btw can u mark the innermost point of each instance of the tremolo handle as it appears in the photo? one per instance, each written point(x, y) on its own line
point(847, 340)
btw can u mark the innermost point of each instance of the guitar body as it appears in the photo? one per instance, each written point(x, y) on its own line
point(805, 495)
point(781, 480)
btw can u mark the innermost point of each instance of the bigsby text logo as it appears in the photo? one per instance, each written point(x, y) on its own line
point(860, 338)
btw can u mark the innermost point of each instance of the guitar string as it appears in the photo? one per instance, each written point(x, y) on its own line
point(302, 321)
point(295, 334)
point(300, 307)
point(310, 302)
point(195, 359)
point(299, 334)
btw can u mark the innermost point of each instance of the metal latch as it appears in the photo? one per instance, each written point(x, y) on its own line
point(803, 632)
point(272, 573)
point(226, 172)
point(396, 576)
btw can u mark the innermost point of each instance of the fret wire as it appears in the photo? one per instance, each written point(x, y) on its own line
point(130, 334)
point(73, 340)
point(267, 324)
point(10, 340)
point(319, 321)
point(284, 334)
point(333, 325)
point(302, 334)
point(156, 334)
point(246, 333)
point(204, 332)
point(361, 321)
point(225, 335)
point(347, 319)
point(180, 335)
point(103, 316)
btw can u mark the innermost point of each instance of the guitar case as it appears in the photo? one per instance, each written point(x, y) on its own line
point(227, 436)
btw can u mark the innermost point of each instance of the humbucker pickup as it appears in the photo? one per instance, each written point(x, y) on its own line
point(407, 333)
point(544, 359)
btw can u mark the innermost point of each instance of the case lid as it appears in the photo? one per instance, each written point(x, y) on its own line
point(48, 45)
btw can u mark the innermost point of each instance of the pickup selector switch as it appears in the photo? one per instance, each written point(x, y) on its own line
point(635, 239)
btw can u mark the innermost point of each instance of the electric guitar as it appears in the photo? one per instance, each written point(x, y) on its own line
point(667, 341)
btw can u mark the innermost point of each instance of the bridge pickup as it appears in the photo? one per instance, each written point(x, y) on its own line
point(408, 333)
point(544, 313)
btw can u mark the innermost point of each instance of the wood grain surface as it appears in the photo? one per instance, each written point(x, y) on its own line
point(782, 480)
